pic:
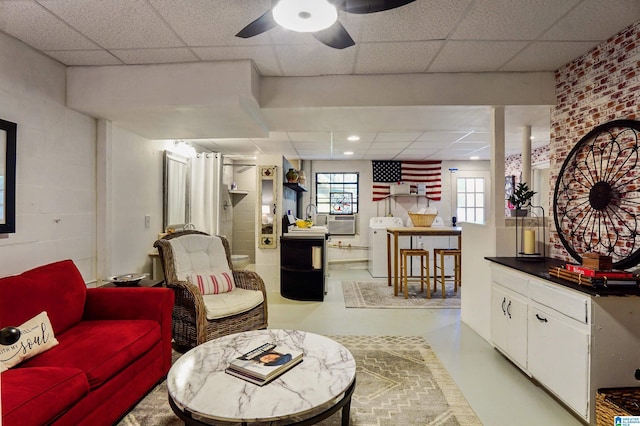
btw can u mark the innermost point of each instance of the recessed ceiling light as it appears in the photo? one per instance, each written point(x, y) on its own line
point(532, 137)
point(348, 153)
point(475, 157)
point(305, 16)
point(353, 138)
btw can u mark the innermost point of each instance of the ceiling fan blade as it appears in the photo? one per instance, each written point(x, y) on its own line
point(369, 6)
point(335, 36)
point(260, 25)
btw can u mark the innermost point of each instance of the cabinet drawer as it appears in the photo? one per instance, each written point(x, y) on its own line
point(570, 304)
point(515, 282)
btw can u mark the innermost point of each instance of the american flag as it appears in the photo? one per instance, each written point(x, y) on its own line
point(386, 173)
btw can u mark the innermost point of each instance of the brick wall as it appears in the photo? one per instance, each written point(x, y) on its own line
point(600, 86)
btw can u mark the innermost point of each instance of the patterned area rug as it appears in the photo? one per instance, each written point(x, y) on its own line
point(377, 294)
point(399, 381)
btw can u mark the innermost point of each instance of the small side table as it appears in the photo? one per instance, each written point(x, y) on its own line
point(143, 283)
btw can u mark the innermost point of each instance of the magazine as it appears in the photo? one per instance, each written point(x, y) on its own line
point(264, 363)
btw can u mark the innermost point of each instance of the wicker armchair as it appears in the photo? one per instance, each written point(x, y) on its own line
point(191, 326)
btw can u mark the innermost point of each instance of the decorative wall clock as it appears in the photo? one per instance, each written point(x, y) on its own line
point(596, 202)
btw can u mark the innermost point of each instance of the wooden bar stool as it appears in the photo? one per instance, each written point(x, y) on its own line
point(438, 263)
point(406, 274)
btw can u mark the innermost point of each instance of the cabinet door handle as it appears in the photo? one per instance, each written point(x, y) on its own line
point(509, 309)
point(541, 319)
point(504, 311)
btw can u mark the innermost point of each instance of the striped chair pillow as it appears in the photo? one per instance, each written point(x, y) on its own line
point(212, 282)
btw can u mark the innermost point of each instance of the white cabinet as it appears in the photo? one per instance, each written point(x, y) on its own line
point(559, 356)
point(571, 342)
point(509, 324)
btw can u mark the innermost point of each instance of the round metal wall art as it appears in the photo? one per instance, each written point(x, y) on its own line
point(596, 202)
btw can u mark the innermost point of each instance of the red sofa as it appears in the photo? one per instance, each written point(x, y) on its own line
point(114, 346)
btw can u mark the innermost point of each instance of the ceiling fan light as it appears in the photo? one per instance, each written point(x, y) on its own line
point(305, 16)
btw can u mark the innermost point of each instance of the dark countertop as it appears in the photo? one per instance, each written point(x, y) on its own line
point(540, 269)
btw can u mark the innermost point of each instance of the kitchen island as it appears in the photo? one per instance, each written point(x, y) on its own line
point(572, 339)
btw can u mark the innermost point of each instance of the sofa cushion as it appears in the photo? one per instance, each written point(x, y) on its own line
point(35, 396)
point(231, 303)
point(57, 288)
point(36, 336)
point(101, 348)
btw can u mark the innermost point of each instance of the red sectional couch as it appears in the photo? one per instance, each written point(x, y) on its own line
point(114, 346)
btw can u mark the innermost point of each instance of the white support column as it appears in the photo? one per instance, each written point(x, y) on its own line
point(497, 165)
point(103, 199)
point(526, 156)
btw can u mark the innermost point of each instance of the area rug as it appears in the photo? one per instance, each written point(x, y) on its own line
point(377, 294)
point(399, 381)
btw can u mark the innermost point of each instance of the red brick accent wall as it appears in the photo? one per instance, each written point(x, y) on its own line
point(600, 86)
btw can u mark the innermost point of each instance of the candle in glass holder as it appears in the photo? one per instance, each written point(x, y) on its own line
point(529, 241)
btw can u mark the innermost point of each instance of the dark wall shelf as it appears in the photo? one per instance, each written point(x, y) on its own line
point(295, 186)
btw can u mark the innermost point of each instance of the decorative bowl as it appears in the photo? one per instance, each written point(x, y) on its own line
point(127, 279)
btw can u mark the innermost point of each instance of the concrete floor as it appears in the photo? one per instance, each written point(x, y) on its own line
point(497, 391)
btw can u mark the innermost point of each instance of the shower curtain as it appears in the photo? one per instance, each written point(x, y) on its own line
point(206, 176)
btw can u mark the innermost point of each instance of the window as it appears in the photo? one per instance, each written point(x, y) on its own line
point(337, 193)
point(470, 199)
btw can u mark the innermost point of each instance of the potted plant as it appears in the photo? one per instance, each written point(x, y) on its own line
point(520, 198)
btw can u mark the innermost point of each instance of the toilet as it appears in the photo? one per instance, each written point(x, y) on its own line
point(240, 261)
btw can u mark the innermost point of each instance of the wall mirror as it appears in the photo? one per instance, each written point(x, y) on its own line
point(7, 177)
point(177, 182)
point(267, 191)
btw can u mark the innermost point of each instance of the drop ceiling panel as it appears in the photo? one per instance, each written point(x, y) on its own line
point(469, 56)
point(116, 24)
point(510, 20)
point(311, 137)
point(33, 24)
point(395, 58)
point(390, 145)
point(542, 56)
point(397, 136)
point(85, 57)
point(595, 20)
point(211, 23)
point(155, 56)
point(417, 21)
point(304, 59)
point(263, 56)
point(450, 35)
point(441, 137)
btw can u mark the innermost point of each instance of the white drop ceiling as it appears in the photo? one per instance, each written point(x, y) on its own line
point(426, 36)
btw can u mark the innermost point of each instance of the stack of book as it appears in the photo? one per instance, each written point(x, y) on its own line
point(584, 275)
point(264, 363)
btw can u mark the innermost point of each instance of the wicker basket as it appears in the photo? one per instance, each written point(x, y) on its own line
point(422, 220)
point(613, 402)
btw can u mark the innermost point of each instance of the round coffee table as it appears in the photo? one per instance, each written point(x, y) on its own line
point(201, 393)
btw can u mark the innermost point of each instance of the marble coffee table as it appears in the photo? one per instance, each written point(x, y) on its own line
point(201, 393)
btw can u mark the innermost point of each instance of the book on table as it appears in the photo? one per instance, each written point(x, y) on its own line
point(599, 273)
point(264, 363)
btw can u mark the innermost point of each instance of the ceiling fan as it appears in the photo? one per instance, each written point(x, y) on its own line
point(319, 17)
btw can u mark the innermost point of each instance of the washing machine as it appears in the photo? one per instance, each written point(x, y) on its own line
point(378, 243)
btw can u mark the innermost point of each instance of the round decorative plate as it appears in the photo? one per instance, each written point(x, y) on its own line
point(596, 202)
point(127, 279)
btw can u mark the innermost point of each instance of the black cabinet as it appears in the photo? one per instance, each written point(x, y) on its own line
point(302, 267)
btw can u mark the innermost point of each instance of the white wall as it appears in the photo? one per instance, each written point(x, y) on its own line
point(56, 166)
point(136, 185)
point(478, 241)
